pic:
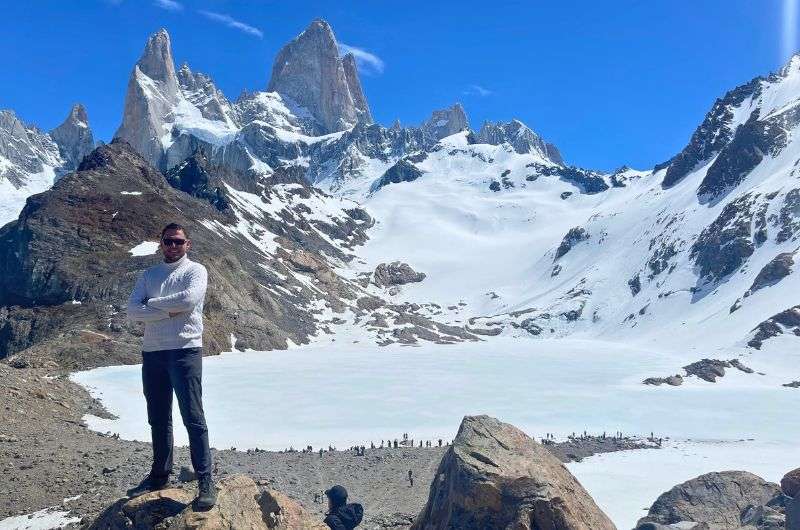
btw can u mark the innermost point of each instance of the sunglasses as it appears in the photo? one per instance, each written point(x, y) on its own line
point(170, 242)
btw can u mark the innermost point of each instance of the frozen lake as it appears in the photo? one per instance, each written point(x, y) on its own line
point(347, 394)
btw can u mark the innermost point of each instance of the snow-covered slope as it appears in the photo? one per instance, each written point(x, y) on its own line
point(520, 245)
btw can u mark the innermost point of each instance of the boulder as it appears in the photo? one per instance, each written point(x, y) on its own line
point(241, 504)
point(790, 483)
point(719, 500)
point(396, 273)
point(495, 476)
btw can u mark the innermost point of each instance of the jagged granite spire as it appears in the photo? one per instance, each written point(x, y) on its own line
point(446, 122)
point(74, 137)
point(520, 137)
point(153, 92)
point(309, 71)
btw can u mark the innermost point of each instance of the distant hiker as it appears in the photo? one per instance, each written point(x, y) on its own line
point(440, 442)
point(395, 444)
point(410, 478)
point(342, 516)
point(168, 298)
point(320, 452)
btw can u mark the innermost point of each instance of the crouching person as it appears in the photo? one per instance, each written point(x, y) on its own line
point(342, 516)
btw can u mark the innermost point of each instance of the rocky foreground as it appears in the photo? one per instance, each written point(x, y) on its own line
point(48, 459)
point(491, 476)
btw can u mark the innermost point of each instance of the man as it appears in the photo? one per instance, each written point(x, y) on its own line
point(168, 298)
point(342, 516)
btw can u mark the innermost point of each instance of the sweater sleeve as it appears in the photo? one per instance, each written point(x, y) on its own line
point(188, 298)
point(137, 310)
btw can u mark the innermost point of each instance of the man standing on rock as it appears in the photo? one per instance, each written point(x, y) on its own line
point(168, 298)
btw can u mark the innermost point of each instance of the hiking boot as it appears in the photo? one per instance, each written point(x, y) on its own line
point(147, 485)
point(206, 493)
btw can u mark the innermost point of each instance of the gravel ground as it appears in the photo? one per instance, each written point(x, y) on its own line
point(49, 459)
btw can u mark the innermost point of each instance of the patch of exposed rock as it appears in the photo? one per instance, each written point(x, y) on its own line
point(396, 273)
point(495, 476)
point(773, 272)
point(787, 320)
point(729, 500)
point(572, 238)
point(401, 171)
point(706, 369)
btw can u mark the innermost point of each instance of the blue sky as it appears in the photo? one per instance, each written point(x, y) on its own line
point(610, 82)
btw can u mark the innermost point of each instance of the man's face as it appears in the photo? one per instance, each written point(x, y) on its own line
point(174, 245)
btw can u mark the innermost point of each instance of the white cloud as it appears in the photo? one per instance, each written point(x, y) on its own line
point(477, 90)
point(232, 23)
point(368, 62)
point(169, 5)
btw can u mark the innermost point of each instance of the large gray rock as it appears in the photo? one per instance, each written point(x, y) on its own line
point(74, 137)
point(396, 273)
point(719, 500)
point(496, 477)
point(446, 122)
point(310, 71)
point(153, 92)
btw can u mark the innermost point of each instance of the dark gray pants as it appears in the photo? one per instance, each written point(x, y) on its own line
point(180, 371)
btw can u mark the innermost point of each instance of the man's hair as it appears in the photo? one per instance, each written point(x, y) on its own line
point(175, 226)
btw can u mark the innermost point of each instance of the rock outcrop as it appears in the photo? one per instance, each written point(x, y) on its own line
point(402, 171)
point(721, 501)
point(74, 137)
point(495, 476)
point(773, 272)
point(446, 122)
point(310, 71)
point(396, 273)
point(520, 137)
point(241, 504)
point(573, 237)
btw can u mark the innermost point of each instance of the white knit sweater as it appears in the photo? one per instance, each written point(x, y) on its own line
point(178, 288)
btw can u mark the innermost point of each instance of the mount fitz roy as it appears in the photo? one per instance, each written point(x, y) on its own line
point(317, 222)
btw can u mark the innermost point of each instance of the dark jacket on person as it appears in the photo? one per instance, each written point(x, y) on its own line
point(345, 517)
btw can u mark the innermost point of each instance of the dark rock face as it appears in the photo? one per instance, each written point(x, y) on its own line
point(573, 237)
point(402, 171)
point(720, 500)
point(635, 285)
point(752, 142)
point(74, 137)
point(775, 325)
point(774, 271)
point(495, 476)
point(309, 70)
point(711, 136)
point(194, 176)
point(707, 369)
point(585, 180)
point(724, 245)
point(396, 273)
point(521, 138)
point(72, 243)
point(789, 217)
